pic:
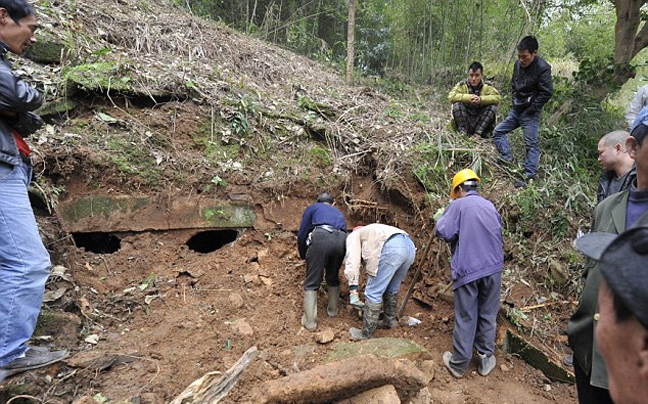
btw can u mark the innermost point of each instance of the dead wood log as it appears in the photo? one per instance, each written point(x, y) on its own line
point(564, 109)
point(339, 380)
point(208, 390)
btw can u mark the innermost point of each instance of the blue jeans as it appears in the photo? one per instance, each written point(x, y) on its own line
point(529, 124)
point(396, 257)
point(24, 263)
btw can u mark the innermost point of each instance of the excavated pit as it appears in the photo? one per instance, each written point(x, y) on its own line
point(97, 242)
point(211, 240)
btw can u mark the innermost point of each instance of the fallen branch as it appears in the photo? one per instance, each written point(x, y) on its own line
point(206, 390)
point(538, 306)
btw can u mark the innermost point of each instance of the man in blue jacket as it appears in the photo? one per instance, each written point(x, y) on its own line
point(532, 87)
point(473, 228)
point(24, 261)
point(322, 242)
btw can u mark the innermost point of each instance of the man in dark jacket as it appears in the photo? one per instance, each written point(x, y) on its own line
point(619, 168)
point(532, 87)
point(474, 228)
point(24, 261)
point(322, 242)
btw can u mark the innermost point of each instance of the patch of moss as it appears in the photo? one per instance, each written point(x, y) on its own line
point(93, 205)
point(382, 347)
point(321, 157)
point(133, 160)
point(211, 144)
point(99, 77)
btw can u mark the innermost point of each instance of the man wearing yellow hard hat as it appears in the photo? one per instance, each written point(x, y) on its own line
point(473, 228)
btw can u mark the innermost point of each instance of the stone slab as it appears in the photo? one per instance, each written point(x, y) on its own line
point(109, 213)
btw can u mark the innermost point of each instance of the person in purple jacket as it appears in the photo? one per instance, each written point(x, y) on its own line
point(473, 228)
point(322, 242)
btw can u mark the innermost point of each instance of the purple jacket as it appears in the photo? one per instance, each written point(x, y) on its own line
point(474, 228)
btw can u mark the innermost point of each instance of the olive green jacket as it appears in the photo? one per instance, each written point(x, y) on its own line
point(461, 93)
point(609, 217)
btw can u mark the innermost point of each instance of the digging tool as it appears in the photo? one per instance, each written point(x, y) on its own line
point(424, 257)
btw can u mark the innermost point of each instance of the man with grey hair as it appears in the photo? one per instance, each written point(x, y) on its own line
point(619, 168)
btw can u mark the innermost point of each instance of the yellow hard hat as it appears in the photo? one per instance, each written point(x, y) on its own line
point(461, 177)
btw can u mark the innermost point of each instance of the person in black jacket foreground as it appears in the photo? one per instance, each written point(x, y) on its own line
point(24, 261)
point(532, 87)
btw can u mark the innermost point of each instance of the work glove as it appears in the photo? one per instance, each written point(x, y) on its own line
point(354, 297)
point(438, 214)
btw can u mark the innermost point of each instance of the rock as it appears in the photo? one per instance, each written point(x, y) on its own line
point(504, 368)
point(251, 278)
point(150, 398)
point(384, 395)
point(85, 400)
point(46, 50)
point(427, 367)
point(236, 300)
point(63, 326)
point(335, 380)
point(244, 328)
point(423, 397)
point(325, 336)
point(267, 281)
point(262, 255)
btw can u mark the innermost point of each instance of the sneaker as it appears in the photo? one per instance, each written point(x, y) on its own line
point(568, 360)
point(486, 364)
point(504, 162)
point(447, 357)
point(520, 183)
point(34, 358)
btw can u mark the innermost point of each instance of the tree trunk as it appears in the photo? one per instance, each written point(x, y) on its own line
point(627, 43)
point(350, 42)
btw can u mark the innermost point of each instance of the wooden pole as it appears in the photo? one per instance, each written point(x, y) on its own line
point(426, 252)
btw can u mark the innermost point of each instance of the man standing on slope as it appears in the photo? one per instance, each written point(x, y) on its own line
point(322, 242)
point(24, 261)
point(532, 87)
point(474, 228)
point(615, 214)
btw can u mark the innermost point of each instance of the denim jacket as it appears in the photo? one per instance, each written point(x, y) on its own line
point(16, 97)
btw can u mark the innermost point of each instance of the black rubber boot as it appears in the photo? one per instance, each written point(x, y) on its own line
point(309, 319)
point(390, 303)
point(333, 299)
point(369, 322)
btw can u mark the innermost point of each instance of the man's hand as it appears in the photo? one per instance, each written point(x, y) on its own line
point(475, 99)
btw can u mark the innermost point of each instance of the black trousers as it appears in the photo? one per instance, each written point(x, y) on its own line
point(325, 254)
point(588, 394)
